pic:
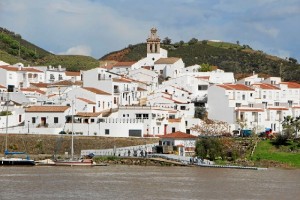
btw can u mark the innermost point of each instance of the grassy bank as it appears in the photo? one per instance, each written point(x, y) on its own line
point(59, 144)
point(267, 152)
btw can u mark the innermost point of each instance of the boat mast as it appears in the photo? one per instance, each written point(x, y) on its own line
point(72, 143)
point(6, 125)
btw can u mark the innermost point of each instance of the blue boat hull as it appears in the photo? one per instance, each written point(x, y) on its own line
point(17, 162)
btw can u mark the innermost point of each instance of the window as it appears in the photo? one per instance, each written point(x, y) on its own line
point(290, 103)
point(135, 133)
point(145, 116)
point(33, 120)
point(251, 105)
point(99, 77)
point(60, 77)
point(202, 87)
point(92, 120)
point(243, 97)
point(238, 105)
point(52, 77)
point(106, 131)
point(265, 104)
point(182, 107)
point(276, 103)
point(55, 120)
point(115, 100)
point(99, 104)
point(173, 129)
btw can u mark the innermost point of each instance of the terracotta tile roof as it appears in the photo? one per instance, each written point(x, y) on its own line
point(170, 60)
point(174, 120)
point(203, 77)
point(69, 73)
point(51, 95)
point(278, 108)
point(124, 64)
point(146, 67)
point(86, 100)
point(26, 69)
point(178, 135)
point(296, 107)
point(250, 109)
point(47, 109)
point(1, 86)
point(291, 84)
point(121, 80)
point(96, 91)
point(235, 87)
point(66, 83)
point(107, 67)
point(141, 89)
point(175, 101)
point(88, 114)
point(266, 86)
point(40, 85)
point(32, 90)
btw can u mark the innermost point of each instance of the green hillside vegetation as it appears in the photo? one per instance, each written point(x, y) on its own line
point(14, 49)
point(240, 59)
point(71, 62)
point(16, 46)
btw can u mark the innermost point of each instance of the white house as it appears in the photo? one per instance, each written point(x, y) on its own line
point(46, 119)
point(225, 101)
point(169, 67)
point(15, 77)
point(185, 143)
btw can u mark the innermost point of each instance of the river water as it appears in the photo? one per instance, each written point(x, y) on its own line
point(139, 182)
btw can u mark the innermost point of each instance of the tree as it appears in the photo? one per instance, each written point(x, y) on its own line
point(238, 42)
point(200, 112)
point(204, 41)
point(193, 41)
point(205, 67)
point(181, 42)
point(291, 126)
point(167, 41)
point(210, 127)
point(293, 60)
point(209, 148)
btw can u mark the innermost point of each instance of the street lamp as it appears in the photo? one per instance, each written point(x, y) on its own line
point(28, 127)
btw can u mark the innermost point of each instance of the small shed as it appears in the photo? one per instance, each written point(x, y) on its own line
point(179, 143)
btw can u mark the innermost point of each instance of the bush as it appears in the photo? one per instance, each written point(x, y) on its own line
point(280, 140)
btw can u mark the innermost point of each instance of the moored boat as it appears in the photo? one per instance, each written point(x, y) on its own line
point(16, 161)
point(80, 162)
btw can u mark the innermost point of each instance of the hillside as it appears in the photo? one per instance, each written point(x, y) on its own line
point(14, 49)
point(241, 60)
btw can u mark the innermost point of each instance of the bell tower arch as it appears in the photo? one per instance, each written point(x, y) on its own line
point(153, 42)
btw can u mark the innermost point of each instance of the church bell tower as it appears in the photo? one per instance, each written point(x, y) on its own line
point(153, 42)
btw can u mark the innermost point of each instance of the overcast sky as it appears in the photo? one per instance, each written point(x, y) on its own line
point(97, 27)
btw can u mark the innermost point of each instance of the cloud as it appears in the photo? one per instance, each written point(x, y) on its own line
point(271, 32)
point(78, 50)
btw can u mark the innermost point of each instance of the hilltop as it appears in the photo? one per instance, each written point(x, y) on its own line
point(240, 59)
point(15, 49)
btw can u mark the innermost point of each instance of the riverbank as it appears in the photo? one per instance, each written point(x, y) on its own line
point(48, 145)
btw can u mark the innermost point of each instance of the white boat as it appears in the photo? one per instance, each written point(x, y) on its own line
point(80, 162)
